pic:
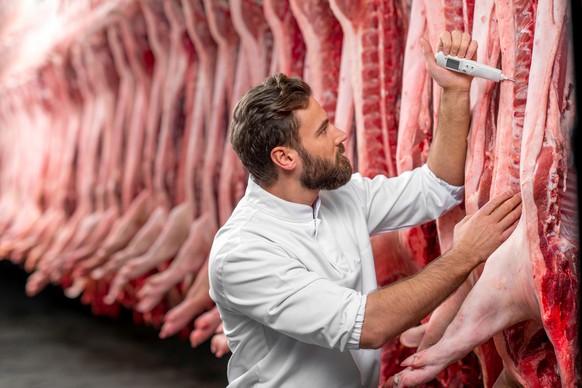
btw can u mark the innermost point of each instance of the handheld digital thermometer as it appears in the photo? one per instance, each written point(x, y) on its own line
point(467, 66)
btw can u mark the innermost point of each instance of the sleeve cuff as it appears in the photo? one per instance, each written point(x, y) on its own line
point(457, 192)
point(354, 340)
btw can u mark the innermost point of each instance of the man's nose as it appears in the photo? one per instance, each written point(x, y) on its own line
point(341, 135)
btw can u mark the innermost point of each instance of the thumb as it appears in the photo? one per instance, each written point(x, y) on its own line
point(429, 59)
point(427, 51)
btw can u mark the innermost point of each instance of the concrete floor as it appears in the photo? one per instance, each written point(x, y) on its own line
point(52, 341)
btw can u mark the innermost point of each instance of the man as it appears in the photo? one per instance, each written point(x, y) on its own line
point(292, 271)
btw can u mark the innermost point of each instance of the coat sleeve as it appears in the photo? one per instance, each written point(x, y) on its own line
point(412, 198)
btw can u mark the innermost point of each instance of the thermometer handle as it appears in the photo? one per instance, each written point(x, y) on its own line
point(467, 66)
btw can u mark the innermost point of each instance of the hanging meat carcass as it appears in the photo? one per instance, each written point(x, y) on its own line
point(517, 295)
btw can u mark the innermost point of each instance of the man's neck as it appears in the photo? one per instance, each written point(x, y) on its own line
point(291, 190)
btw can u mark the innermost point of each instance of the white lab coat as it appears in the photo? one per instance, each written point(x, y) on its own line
point(290, 280)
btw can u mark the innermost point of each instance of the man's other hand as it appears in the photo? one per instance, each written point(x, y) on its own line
point(480, 234)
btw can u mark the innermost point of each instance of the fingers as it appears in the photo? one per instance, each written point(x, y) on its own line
point(456, 38)
point(504, 210)
point(506, 207)
point(457, 43)
point(509, 212)
point(494, 203)
point(472, 50)
point(444, 44)
point(464, 45)
point(490, 226)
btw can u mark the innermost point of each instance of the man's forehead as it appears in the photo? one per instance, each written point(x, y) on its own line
point(311, 118)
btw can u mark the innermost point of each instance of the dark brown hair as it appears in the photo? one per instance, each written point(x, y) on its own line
point(263, 119)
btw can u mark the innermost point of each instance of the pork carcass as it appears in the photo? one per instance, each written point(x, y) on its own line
point(288, 44)
point(222, 30)
point(323, 36)
point(194, 251)
point(517, 296)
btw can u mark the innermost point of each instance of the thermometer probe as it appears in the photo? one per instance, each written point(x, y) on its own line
point(467, 66)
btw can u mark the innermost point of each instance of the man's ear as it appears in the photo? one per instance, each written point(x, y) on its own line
point(284, 157)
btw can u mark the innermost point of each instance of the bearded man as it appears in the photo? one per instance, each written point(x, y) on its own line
point(292, 271)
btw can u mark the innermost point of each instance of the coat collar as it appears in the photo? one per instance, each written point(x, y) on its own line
point(266, 202)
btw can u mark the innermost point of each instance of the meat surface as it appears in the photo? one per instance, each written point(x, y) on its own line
point(288, 44)
point(222, 30)
point(375, 33)
point(194, 250)
point(323, 36)
point(511, 299)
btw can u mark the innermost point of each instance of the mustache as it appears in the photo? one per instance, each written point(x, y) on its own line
point(341, 149)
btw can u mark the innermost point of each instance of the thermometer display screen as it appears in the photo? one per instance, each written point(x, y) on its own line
point(452, 64)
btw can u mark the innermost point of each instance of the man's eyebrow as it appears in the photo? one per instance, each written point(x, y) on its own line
point(322, 126)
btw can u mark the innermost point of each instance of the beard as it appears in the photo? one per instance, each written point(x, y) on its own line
point(322, 174)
